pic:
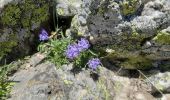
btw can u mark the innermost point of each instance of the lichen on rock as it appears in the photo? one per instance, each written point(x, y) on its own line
point(162, 38)
point(23, 18)
point(129, 7)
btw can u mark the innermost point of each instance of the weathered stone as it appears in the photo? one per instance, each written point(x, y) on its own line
point(145, 25)
point(67, 8)
point(19, 33)
point(161, 81)
point(42, 81)
point(111, 25)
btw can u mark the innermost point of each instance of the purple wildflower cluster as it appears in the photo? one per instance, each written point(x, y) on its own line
point(94, 63)
point(43, 35)
point(83, 44)
point(74, 50)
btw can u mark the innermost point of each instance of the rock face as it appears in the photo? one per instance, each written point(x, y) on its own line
point(129, 27)
point(20, 23)
point(161, 81)
point(38, 80)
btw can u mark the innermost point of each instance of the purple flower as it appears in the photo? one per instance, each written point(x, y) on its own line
point(83, 44)
point(43, 35)
point(72, 51)
point(94, 63)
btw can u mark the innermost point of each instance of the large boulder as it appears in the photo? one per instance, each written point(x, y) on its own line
point(131, 28)
point(20, 22)
point(38, 80)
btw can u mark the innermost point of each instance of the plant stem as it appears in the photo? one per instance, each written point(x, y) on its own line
point(150, 81)
point(92, 53)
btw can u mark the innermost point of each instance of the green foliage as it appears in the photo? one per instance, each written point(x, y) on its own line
point(5, 85)
point(55, 50)
point(83, 58)
point(6, 46)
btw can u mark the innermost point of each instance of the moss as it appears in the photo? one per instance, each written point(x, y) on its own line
point(130, 60)
point(6, 46)
point(11, 15)
point(129, 7)
point(162, 37)
point(127, 48)
point(137, 62)
point(129, 42)
point(25, 14)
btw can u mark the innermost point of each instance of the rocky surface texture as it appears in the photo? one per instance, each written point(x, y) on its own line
point(133, 29)
point(134, 33)
point(39, 80)
point(20, 22)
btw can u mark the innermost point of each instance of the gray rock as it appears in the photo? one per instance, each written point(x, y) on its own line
point(159, 12)
point(35, 82)
point(109, 25)
point(160, 81)
point(67, 7)
point(166, 30)
point(145, 25)
point(43, 81)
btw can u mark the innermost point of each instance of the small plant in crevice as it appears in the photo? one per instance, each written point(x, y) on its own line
point(5, 85)
point(65, 50)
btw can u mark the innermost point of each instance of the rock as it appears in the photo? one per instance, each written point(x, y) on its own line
point(145, 25)
point(34, 83)
point(125, 26)
point(67, 8)
point(42, 81)
point(134, 29)
point(166, 97)
point(143, 96)
point(160, 81)
point(19, 34)
point(166, 30)
point(159, 12)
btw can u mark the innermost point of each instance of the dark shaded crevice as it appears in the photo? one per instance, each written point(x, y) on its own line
point(94, 76)
point(157, 94)
point(64, 23)
point(143, 42)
